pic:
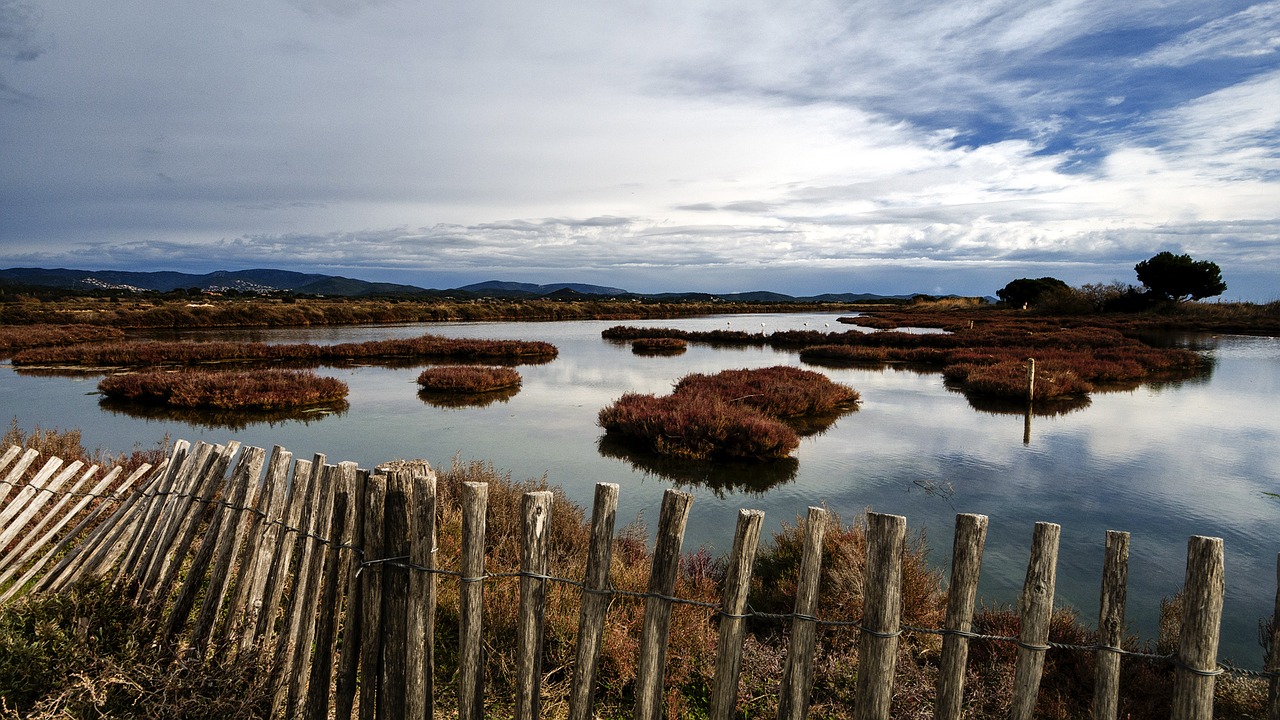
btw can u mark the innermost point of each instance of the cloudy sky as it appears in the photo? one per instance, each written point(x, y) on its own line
point(798, 146)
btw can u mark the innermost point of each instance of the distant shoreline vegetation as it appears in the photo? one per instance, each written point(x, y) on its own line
point(982, 353)
point(148, 354)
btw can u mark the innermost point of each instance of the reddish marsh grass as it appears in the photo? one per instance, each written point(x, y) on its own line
point(252, 389)
point(658, 346)
point(22, 337)
point(140, 354)
point(468, 379)
point(733, 415)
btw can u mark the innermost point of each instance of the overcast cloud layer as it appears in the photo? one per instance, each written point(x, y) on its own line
point(878, 146)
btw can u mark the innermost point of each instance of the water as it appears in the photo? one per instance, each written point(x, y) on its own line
point(1162, 462)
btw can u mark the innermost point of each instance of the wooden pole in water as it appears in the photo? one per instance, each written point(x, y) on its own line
point(1031, 379)
point(1273, 655)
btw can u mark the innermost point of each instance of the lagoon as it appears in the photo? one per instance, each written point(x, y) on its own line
point(1164, 462)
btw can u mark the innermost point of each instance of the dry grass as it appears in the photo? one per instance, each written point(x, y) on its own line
point(14, 338)
point(658, 346)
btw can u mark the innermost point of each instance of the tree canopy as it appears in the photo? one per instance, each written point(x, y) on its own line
point(1026, 291)
point(1179, 277)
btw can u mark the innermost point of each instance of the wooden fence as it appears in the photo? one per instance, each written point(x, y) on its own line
point(205, 547)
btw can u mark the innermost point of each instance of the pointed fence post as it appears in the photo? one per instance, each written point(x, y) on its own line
point(534, 561)
point(657, 608)
point(797, 673)
point(475, 501)
point(1197, 664)
point(1035, 610)
point(733, 608)
point(1115, 579)
point(420, 678)
point(595, 600)
point(881, 615)
point(966, 564)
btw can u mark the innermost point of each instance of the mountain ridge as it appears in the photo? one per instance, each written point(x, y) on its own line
point(267, 280)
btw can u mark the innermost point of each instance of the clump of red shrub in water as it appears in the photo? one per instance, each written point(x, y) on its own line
point(733, 415)
point(241, 390)
point(468, 379)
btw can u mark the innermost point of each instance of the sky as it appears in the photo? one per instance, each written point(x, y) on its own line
point(798, 146)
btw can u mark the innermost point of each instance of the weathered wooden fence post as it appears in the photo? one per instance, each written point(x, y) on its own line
point(1031, 379)
point(797, 673)
point(1197, 664)
point(733, 608)
point(881, 615)
point(657, 606)
point(420, 680)
point(1115, 579)
point(534, 559)
point(344, 693)
point(395, 594)
point(371, 601)
point(332, 581)
point(966, 565)
point(595, 600)
point(238, 629)
point(475, 501)
point(1035, 610)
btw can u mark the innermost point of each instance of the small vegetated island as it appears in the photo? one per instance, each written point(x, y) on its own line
point(732, 415)
point(468, 379)
point(425, 347)
point(225, 390)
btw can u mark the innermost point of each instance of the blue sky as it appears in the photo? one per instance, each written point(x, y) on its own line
point(808, 146)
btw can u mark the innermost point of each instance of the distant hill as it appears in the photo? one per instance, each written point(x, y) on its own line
point(498, 287)
point(267, 280)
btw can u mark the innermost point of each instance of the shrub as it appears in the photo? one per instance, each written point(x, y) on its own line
point(700, 427)
point(468, 379)
point(252, 389)
point(658, 346)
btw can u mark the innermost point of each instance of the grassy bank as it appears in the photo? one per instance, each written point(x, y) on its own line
point(213, 312)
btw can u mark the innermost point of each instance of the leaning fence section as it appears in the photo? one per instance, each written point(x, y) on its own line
point(328, 572)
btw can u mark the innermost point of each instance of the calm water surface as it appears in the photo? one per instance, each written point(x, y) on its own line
point(1163, 462)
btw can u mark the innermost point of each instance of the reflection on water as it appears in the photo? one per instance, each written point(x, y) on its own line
point(464, 400)
point(720, 478)
point(216, 419)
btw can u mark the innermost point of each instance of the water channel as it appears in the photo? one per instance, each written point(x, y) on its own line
point(1164, 462)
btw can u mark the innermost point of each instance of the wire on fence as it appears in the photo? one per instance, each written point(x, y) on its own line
point(751, 614)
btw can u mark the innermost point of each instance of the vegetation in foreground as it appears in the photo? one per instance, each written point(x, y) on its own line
point(86, 654)
point(732, 415)
point(225, 390)
point(145, 354)
point(468, 379)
